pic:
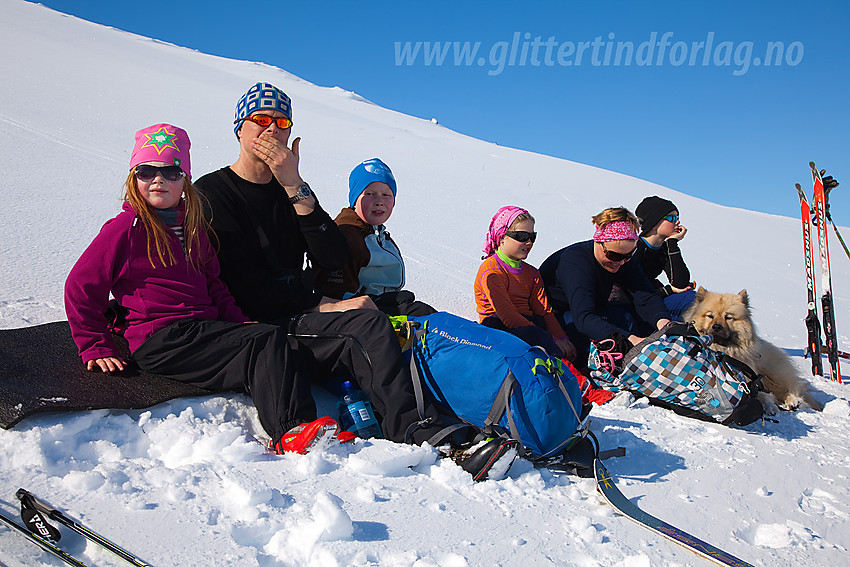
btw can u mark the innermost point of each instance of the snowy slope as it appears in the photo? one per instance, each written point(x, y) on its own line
point(187, 482)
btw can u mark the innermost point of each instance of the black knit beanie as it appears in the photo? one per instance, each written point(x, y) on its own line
point(651, 210)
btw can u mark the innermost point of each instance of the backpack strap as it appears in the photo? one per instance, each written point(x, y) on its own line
point(405, 331)
point(743, 367)
point(584, 430)
point(555, 367)
point(416, 376)
point(750, 408)
point(502, 405)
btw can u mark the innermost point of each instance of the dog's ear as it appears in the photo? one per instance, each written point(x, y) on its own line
point(701, 293)
point(744, 297)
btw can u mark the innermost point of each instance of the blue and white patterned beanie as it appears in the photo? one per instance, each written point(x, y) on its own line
point(262, 96)
point(369, 171)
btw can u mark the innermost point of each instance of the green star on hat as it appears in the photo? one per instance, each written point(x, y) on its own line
point(160, 140)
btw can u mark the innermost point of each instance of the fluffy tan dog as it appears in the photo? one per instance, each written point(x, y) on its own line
point(727, 317)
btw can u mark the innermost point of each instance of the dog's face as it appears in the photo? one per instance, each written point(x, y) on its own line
point(725, 316)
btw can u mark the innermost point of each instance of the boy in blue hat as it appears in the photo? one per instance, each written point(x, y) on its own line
point(375, 266)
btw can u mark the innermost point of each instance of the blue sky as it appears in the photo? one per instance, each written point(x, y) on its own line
point(700, 113)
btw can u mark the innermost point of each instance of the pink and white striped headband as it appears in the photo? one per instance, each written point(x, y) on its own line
point(617, 230)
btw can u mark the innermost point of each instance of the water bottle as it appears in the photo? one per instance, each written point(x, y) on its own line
point(356, 413)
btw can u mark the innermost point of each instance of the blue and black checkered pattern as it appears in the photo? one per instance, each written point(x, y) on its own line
point(262, 96)
point(684, 372)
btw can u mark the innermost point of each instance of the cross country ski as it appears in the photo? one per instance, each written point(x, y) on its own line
point(830, 336)
point(813, 346)
point(618, 501)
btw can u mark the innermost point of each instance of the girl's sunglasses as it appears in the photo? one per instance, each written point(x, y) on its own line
point(671, 218)
point(265, 121)
point(148, 172)
point(522, 235)
point(616, 256)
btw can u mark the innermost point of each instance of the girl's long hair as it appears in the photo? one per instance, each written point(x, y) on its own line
point(158, 234)
point(615, 214)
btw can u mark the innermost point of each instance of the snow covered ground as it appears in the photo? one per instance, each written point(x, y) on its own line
point(186, 482)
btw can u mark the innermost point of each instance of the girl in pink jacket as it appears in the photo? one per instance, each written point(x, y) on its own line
point(179, 318)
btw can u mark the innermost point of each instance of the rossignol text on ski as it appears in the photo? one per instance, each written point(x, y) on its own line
point(830, 336)
point(813, 346)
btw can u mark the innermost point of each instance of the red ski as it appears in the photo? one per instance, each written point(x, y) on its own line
point(831, 339)
point(812, 323)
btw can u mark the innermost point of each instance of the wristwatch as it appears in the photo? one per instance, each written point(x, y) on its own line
point(303, 192)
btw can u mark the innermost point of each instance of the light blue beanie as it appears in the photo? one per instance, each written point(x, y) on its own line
point(369, 171)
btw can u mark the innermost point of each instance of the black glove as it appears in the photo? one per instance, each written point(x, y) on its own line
point(829, 181)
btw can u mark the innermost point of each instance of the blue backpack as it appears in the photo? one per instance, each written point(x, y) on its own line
point(493, 380)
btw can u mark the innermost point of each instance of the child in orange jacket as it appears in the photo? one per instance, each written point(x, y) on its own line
point(509, 293)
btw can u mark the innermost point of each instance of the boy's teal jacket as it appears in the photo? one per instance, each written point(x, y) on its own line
point(374, 266)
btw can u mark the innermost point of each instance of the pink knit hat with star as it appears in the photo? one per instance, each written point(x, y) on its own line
point(165, 143)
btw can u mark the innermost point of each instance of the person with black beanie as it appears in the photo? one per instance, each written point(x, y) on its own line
point(658, 251)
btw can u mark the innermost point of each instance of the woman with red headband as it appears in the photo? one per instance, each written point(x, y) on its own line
point(580, 278)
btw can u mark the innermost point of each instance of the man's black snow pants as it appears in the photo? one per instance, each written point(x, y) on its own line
point(254, 358)
point(362, 344)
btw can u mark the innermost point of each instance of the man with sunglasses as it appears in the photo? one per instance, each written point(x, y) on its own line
point(658, 251)
point(580, 278)
point(267, 222)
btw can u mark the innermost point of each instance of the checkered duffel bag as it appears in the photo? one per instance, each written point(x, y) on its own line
point(675, 368)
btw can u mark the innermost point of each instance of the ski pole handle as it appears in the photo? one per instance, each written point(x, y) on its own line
point(31, 501)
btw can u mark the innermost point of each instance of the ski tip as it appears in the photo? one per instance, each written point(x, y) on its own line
point(815, 172)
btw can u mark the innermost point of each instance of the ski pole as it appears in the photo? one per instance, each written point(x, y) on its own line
point(44, 544)
point(29, 500)
point(838, 234)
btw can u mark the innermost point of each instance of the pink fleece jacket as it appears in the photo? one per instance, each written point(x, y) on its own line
point(117, 261)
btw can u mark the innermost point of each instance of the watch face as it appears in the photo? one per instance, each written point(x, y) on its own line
point(303, 193)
